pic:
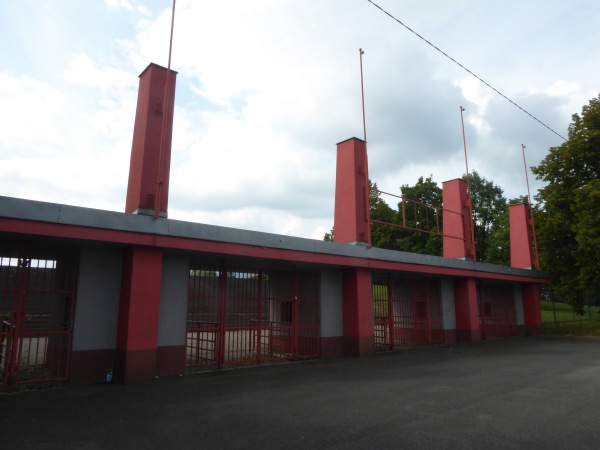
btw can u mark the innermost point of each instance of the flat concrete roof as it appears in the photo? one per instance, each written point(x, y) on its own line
point(128, 225)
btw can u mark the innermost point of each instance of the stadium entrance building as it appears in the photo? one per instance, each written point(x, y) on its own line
point(85, 292)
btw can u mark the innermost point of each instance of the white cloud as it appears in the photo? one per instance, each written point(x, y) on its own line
point(83, 70)
point(30, 115)
point(267, 88)
point(117, 4)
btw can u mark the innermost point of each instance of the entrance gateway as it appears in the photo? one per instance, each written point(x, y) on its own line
point(146, 308)
point(241, 316)
point(36, 311)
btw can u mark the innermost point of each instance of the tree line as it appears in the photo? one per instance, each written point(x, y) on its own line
point(421, 235)
point(567, 214)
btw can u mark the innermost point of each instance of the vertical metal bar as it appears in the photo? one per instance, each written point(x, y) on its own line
point(427, 311)
point(403, 213)
point(19, 314)
point(482, 318)
point(390, 305)
point(295, 314)
point(469, 196)
point(160, 181)
point(535, 247)
point(221, 325)
point(366, 162)
point(71, 311)
point(258, 342)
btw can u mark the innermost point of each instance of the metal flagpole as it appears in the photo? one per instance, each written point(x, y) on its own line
point(470, 197)
point(535, 247)
point(160, 183)
point(366, 162)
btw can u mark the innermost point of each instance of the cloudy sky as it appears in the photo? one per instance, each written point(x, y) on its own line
point(266, 88)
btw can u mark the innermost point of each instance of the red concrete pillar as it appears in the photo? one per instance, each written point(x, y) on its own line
point(521, 248)
point(144, 177)
point(532, 311)
point(357, 307)
point(351, 218)
point(467, 313)
point(458, 239)
point(137, 333)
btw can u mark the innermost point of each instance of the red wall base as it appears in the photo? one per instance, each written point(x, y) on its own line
point(449, 336)
point(170, 360)
point(135, 365)
point(468, 336)
point(90, 366)
point(332, 347)
point(359, 346)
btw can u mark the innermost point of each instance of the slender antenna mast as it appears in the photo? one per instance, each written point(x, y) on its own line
point(362, 89)
point(165, 108)
point(535, 247)
point(366, 162)
point(470, 197)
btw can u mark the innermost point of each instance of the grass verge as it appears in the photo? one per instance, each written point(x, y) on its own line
point(579, 328)
point(567, 323)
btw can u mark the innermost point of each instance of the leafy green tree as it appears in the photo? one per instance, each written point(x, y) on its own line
point(382, 236)
point(420, 217)
point(498, 240)
point(568, 228)
point(587, 235)
point(490, 216)
point(422, 221)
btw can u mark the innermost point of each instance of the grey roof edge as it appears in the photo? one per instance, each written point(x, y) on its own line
point(24, 209)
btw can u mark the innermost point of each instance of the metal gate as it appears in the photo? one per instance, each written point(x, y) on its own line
point(37, 300)
point(406, 312)
point(241, 316)
point(497, 314)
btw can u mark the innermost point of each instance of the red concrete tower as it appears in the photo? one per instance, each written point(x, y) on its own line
point(458, 241)
point(351, 219)
point(521, 244)
point(351, 226)
point(148, 169)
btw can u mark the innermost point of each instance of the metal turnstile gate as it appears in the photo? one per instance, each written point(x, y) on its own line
point(37, 300)
point(497, 312)
point(244, 316)
point(407, 312)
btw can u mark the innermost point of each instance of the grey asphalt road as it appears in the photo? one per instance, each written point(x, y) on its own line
point(526, 393)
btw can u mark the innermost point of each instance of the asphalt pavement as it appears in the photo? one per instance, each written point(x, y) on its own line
point(524, 393)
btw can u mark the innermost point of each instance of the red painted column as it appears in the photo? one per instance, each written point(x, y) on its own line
point(145, 150)
point(351, 220)
point(521, 248)
point(532, 311)
point(137, 333)
point(357, 307)
point(457, 241)
point(467, 314)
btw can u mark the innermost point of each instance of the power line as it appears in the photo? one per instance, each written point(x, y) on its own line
point(464, 68)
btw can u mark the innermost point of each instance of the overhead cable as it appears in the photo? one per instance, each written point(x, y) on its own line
point(464, 68)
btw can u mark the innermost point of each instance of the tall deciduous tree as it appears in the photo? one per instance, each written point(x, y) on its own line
point(382, 236)
point(569, 226)
point(489, 210)
point(421, 217)
point(490, 215)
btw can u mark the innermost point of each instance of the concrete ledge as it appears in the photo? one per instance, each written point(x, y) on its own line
point(20, 209)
